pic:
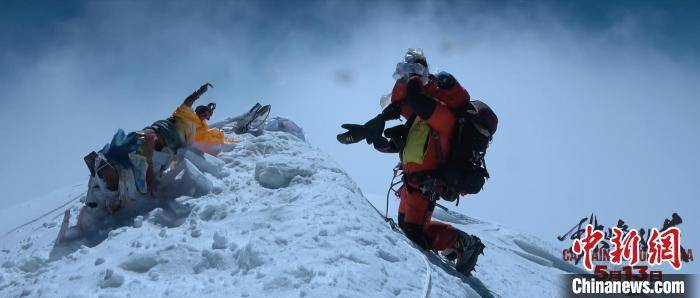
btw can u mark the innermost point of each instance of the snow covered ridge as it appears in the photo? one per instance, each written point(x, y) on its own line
point(281, 220)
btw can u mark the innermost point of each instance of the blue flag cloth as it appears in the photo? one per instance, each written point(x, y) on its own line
point(118, 149)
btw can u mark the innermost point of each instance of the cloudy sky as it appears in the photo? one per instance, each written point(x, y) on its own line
point(597, 100)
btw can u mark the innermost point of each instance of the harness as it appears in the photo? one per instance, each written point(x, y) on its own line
point(430, 184)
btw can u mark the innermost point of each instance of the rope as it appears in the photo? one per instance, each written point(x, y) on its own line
point(397, 168)
point(43, 215)
point(427, 282)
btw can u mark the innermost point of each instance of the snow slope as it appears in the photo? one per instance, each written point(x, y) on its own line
point(282, 220)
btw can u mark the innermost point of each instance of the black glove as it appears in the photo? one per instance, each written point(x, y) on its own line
point(422, 104)
point(397, 135)
point(357, 133)
point(371, 131)
point(354, 134)
point(195, 95)
point(414, 86)
point(204, 88)
point(391, 112)
point(383, 145)
point(374, 129)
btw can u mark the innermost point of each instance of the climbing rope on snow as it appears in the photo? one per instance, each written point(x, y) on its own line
point(427, 283)
point(43, 215)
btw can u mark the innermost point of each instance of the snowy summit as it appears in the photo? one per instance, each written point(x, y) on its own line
point(280, 219)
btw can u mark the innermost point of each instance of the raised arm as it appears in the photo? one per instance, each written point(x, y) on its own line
point(195, 95)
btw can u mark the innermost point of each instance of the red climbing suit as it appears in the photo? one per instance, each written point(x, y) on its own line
point(427, 143)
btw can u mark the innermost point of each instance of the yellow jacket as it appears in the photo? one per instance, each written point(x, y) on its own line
point(186, 123)
point(196, 132)
point(206, 135)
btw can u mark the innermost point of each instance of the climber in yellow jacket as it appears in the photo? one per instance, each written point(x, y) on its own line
point(209, 140)
point(189, 127)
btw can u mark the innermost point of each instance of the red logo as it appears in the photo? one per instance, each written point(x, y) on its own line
point(661, 246)
point(586, 245)
point(626, 247)
point(665, 247)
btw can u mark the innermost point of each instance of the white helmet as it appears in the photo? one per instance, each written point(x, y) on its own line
point(415, 55)
point(414, 64)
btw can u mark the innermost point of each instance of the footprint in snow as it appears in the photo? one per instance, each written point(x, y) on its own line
point(139, 264)
point(111, 279)
point(220, 242)
point(387, 256)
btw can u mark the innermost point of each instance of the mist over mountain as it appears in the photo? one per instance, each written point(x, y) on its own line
point(597, 101)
